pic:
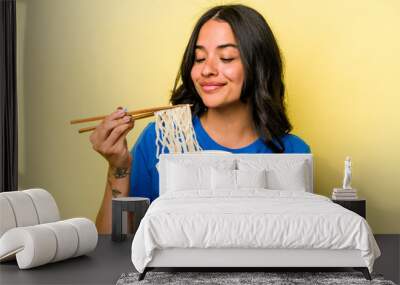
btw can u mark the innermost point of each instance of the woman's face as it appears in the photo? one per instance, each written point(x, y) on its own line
point(217, 72)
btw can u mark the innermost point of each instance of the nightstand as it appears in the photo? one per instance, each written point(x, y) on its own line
point(357, 206)
point(137, 205)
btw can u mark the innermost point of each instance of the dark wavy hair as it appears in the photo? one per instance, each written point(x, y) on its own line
point(263, 86)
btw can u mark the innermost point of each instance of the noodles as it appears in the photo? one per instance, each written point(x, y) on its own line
point(175, 132)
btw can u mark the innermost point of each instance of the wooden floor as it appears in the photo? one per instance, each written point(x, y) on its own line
point(389, 262)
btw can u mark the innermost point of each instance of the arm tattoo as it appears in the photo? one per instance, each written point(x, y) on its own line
point(115, 193)
point(120, 172)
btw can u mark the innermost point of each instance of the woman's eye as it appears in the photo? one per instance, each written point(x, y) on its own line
point(198, 60)
point(227, 59)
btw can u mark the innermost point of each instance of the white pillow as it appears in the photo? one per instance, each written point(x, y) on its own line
point(190, 171)
point(188, 177)
point(236, 179)
point(223, 179)
point(288, 178)
point(251, 178)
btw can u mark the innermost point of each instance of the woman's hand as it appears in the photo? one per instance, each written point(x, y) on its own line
point(109, 139)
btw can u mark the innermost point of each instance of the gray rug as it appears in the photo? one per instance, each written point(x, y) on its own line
point(269, 278)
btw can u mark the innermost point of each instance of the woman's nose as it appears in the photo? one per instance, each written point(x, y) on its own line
point(209, 68)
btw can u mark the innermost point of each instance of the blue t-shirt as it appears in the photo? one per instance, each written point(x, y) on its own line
point(144, 174)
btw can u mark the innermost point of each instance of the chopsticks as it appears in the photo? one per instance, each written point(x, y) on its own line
point(136, 115)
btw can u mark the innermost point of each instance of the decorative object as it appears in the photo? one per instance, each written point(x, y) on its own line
point(31, 231)
point(347, 173)
point(346, 192)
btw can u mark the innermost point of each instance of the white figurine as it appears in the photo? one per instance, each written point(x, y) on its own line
point(347, 173)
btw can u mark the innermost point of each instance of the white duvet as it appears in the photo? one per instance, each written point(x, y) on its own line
point(252, 218)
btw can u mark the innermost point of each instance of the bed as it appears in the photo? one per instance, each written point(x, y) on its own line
point(246, 211)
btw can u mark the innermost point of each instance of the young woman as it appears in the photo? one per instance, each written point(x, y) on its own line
point(231, 73)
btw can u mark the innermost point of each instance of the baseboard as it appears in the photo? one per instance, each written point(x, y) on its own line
point(388, 263)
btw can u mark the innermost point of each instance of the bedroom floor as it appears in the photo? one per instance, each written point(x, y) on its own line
point(389, 262)
point(110, 259)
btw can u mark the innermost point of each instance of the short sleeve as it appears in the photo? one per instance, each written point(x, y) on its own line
point(143, 154)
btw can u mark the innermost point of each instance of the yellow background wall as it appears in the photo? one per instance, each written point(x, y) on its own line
point(84, 58)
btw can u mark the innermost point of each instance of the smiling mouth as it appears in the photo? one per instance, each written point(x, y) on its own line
point(208, 88)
